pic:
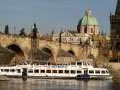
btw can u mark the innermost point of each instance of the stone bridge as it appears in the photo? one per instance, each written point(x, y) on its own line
point(22, 46)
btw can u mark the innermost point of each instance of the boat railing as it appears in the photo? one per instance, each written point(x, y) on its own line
point(7, 65)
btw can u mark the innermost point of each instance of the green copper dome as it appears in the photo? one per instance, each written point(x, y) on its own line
point(88, 19)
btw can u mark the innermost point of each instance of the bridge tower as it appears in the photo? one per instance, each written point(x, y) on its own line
point(115, 31)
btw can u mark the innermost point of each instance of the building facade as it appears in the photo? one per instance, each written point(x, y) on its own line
point(72, 37)
point(87, 27)
point(88, 24)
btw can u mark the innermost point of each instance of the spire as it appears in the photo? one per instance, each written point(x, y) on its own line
point(117, 12)
point(88, 12)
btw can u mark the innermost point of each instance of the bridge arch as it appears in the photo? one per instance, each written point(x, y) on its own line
point(48, 53)
point(71, 52)
point(19, 54)
point(16, 49)
point(60, 53)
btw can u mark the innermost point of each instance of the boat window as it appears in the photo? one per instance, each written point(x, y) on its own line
point(79, 63)
point(2, 70)
point(36, 71)
point(12, 70)
point(103, 72)
point(6, 70)
point(84, 63)
point(66, 71)
point(91, 71)
point(18, 70)
point(73, 63)
point(48, 71)
point(107, 71)
point(60, 71)
point(78, 71)
point(30, 71)
point(72, 71)
point(42, 71)
point(54, 71)
point(97, 72)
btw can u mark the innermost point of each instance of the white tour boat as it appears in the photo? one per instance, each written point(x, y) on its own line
point(78, 70)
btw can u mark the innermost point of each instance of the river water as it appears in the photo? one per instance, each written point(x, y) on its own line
point(58, 84)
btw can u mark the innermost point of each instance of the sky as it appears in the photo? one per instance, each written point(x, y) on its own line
point(53, 14)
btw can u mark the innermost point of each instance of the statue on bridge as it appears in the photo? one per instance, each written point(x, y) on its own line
point(6, 29)
point(34, 31)
point(34, 41)
point(22, 32)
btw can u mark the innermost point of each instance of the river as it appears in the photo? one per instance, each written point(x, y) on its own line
point(58, 84)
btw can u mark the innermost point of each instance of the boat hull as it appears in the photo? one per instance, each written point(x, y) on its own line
point(108, 77)
point(81, 77)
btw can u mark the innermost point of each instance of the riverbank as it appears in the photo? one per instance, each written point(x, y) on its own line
point(4, 78)
point(115, 71)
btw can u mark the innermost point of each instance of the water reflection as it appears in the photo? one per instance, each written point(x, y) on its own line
point(56, 84)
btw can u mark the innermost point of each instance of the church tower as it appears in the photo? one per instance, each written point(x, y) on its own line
point(115, 31)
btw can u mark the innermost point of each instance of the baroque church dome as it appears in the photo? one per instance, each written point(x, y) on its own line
point(88, 24)
point(88, 19)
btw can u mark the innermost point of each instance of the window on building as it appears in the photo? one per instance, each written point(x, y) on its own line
point(91, 30)
point(71, 39)
point(85, 30)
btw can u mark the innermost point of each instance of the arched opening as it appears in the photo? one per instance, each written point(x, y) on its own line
point(61, 53)
point(16, 49)
point(19, 55)
point(65, 57)
point(5, 55)
point(47, 54)
point(71, 52)
point(43, 54)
